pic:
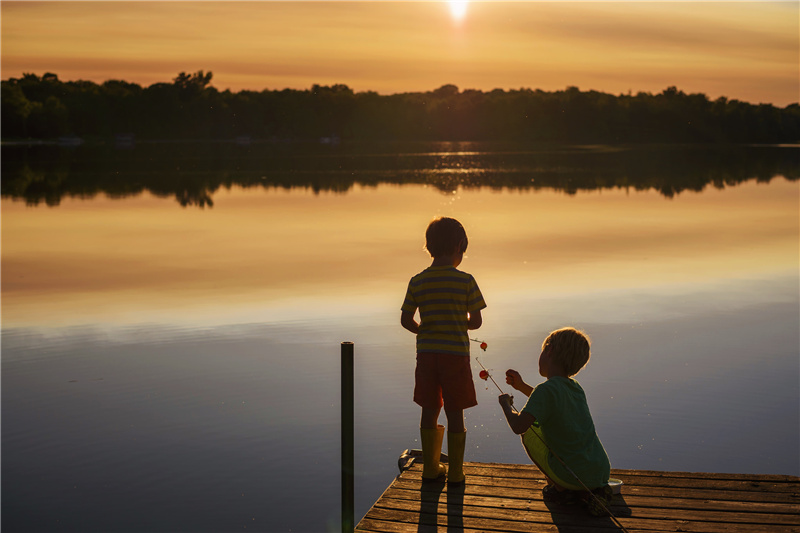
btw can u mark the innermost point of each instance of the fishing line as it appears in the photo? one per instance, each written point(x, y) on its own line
point(606, 509)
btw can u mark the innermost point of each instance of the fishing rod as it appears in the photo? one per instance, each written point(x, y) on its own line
point(596, 499)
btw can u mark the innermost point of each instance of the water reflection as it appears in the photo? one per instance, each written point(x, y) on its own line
point(265, 252)
point(177, 369)
point(217, 428)
point(194, 173)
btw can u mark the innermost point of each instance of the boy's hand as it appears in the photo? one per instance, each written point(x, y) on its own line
point(514, 379)
point(506, 400)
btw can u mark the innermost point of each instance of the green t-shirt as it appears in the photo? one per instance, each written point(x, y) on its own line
point(559, 405)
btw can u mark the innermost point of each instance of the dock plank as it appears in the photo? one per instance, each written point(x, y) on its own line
point(508, 498)
point(761, 513)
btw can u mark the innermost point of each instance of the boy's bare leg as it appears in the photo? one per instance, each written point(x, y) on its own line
point(558, 487)
point(455, 420)
point(430, 418)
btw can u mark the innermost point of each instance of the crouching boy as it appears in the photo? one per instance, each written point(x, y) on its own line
point(556, 427)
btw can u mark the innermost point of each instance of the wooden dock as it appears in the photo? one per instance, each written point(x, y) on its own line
point(505, 497)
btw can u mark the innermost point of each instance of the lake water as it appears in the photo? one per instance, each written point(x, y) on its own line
point(176, 368)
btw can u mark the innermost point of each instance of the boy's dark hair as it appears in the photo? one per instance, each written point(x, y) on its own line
point(571, 348)
point(444, 235)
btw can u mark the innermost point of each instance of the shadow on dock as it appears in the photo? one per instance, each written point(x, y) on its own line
point(431, 496)
point(570, 518)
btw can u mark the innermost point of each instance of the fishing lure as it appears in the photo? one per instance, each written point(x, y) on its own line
point(484, 375)
point(482, 343)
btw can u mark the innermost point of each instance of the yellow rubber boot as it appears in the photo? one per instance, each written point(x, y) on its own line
point(455, 455)
point(431, 452)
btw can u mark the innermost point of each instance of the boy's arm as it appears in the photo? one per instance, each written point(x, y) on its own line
point(475, 320)
point(408, 322)
point(518, 422)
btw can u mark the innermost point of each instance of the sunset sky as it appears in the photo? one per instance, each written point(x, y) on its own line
point(744, 50)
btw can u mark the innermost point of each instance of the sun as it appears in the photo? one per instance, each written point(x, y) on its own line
point(458, 9)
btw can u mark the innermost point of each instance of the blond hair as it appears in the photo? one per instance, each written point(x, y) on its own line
point(570, 347)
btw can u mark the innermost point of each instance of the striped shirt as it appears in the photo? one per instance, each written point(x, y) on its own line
point(444, 296)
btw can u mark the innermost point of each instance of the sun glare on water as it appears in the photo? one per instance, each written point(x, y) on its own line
point(458, 9)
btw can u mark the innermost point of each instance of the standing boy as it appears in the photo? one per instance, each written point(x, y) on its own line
point(449, 304)
point(557, 428)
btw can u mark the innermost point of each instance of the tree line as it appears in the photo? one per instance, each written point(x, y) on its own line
point(189, 108)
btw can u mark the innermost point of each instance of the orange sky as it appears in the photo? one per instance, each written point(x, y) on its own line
point(744, 50)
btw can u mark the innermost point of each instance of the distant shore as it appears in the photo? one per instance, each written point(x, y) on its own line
point(188, 107)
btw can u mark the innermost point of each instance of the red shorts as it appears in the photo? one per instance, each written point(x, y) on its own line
point(444, 379)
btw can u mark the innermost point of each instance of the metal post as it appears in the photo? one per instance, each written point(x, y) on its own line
point(348, 438)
